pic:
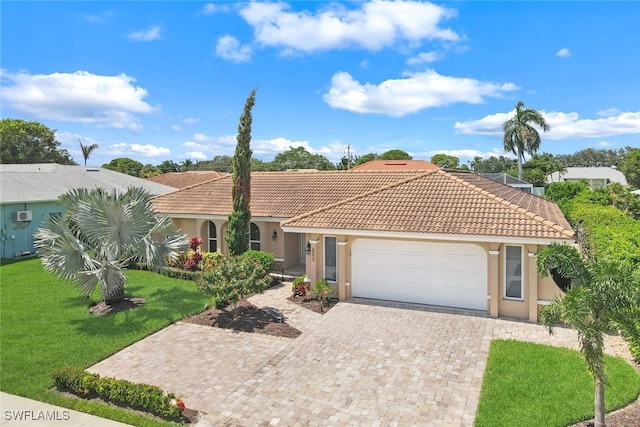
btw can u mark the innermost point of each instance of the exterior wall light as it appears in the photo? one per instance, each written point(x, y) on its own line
point(274, 236)
point(307, 250)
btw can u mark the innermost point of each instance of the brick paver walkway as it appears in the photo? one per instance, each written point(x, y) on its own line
point(363, 363)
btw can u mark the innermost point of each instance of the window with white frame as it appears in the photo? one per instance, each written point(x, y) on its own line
point(513, 282)
point(254, 237)
point(331, 259)
point(213, 239)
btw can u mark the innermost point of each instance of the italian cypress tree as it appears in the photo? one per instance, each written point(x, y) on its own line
point(239, 220)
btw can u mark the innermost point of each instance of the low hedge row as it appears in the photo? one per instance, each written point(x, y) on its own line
point(139, 396)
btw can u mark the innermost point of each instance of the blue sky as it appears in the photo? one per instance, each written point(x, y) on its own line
point(168, 80)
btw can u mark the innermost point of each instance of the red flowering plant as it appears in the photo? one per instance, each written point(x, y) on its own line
point(179, 403)
point(192, 263)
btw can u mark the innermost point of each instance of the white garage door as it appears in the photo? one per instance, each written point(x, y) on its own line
point(447, 274)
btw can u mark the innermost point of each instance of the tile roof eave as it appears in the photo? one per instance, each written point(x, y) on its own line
point(570, 234)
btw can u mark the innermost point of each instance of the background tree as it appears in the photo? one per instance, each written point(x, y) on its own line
point(346, 164)
point(300, 158)
point(168, 166)
point(240, 217)
point(445, 161)
point(519, 136)
point(395, 155)
point(631, 167)
point(87, 150)
point(186, 165)
point(366, 158)
point(539, 167)
point(30, 142)
point(220, 163)
point(101, 232)
point(591, 157)
point(493, 164)
point(602, 293)
point(125, 165)
point(149, 170)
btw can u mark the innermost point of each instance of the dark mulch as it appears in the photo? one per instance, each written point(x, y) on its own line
point(128, 304)
point(629, 416)
point(245, 318)
point(313, 304)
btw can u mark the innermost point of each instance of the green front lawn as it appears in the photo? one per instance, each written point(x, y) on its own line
point(45, 324)
point(529, 384)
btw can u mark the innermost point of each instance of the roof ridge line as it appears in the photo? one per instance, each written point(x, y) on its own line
point(518, 209)
point(177, 190)
point(359, 196)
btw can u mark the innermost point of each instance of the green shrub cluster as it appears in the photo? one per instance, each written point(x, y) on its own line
point(233, 279)
point(139, 396)
point(266, 259)
point(298, 286)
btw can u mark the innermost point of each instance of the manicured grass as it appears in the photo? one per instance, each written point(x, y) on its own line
point(529, 384)
point(45, 324)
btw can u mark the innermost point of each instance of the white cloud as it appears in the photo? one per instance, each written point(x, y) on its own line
point(190, 120)
point(135, 150)
point(563, 53)
point(176, 128)
point(209, 9)
point(196, 155)
point(99, 17)
point(425, 58)
point(604, 144)
point(372, 25)
point(80, 97)
point(608, 112)
point(228, 47)
point(563, 125)
point(151, 34)
point(210, 146)
point(417, 91)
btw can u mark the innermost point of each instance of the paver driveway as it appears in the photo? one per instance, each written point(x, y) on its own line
point(362, 363)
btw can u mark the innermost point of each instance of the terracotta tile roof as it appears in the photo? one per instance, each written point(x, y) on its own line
point(184, 179)
point(396, 165)
point(279, 194)
point(443, 202)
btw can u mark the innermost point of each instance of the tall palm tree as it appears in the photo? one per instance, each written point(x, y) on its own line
point(101, 232)
point(87, 150)
point(603, 292)
point(519, 136)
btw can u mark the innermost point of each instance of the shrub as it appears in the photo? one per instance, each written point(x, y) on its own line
point(233, 279)
point(178, 273)
point(266, 259)
point(210, 260)
point(322, 289)
point(142, 396)
point(298, 287)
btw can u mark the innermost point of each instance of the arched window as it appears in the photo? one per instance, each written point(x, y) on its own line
point(254, 237)
point(213, 240)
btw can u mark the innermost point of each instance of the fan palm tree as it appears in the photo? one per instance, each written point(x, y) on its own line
point(101, 232)
point(87, 150)
point(519, 136)
point(602, 294)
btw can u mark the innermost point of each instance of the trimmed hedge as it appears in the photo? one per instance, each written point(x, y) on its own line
point(138, 396)
point(266, 259)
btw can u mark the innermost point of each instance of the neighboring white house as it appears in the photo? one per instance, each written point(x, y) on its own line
point(597, 177)
point(29, 194)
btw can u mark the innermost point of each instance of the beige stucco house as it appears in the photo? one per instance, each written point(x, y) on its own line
point(428, 236)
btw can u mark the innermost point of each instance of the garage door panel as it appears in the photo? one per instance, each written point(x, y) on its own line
point(422, 272)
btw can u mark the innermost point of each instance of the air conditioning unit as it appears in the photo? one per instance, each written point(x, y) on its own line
point(23, 216)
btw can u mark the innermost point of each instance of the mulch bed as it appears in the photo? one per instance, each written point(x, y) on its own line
point(629, 416)
point(245, 318)
point(104, 308)
point(313, 304)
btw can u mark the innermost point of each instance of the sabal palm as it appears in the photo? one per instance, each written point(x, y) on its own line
point(602, 294)
point(87, 150)
point(519, 136)
point(101, 232)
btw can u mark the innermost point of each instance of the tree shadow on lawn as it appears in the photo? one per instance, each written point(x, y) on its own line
point(161, 308)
